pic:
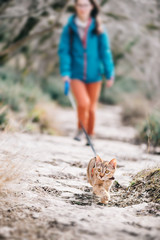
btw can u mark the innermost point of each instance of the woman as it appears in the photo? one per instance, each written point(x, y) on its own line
point(83, 50)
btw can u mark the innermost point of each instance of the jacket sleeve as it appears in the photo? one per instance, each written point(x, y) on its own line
point(64, 52)
point(106, 55)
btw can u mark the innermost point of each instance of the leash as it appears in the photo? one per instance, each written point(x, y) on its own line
point(83, 128)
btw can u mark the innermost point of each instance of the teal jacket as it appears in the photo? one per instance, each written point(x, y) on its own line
point(85, 60)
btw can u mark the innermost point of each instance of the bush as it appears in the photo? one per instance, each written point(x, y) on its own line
point(17, 90)
point(110, 96)
point(9, 96)
point(9, 75)
point(54, 87)
point(121, 87)
point(145, 185)
point(150, 131)
point(41, 119)
point(135, 109)
point(3, 118)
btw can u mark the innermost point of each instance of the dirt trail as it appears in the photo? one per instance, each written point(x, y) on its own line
point(52, 199)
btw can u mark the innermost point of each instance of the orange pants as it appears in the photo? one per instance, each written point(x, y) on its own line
point(86, 95)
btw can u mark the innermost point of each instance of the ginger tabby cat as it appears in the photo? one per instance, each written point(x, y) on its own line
point(100, 175)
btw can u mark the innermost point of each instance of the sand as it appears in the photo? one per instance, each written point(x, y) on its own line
point(50, 197)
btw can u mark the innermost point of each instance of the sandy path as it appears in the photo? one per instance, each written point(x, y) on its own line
point(52, 199)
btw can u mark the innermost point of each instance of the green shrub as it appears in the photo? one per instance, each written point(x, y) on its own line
point(9, 76)
point(17, 90)
point(103, 2)
point(150, 131)
point(3, 118)
point(30, 95)
point(55, 89)
point(8, 96)
point(16, 95)
point(116, 16)
point(117, 92)
point(110, 96)
point(152, 26)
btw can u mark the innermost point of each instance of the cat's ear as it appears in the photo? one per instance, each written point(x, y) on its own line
point(113, 163)
point(98, 159)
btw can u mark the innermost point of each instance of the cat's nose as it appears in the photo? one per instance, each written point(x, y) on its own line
point(101, 174)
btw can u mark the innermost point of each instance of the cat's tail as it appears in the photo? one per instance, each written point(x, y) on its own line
point(90, 167)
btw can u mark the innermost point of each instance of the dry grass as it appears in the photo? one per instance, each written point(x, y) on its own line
point(9, 172)
point(39, 119)
point(147, 184)
point(12, 166)
point(43, 116)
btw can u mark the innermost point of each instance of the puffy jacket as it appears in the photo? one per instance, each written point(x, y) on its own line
point(85, 60)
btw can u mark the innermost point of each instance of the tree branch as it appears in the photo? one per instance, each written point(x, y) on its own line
point(25, 14)
point(5, 54)
point(4, 6)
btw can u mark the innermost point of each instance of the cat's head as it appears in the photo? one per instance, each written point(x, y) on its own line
point(105, 170)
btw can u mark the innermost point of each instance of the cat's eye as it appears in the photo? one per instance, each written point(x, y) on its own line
point(99, 170)
point(106, 171)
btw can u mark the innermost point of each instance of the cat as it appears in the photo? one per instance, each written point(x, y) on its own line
point(100, 175)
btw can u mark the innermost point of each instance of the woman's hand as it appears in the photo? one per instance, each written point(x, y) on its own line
point(66, 79)
point(110, 83)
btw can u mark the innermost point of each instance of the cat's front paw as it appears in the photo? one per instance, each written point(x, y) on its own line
point(105, 199)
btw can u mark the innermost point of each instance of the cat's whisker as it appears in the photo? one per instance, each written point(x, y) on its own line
point(63, 168)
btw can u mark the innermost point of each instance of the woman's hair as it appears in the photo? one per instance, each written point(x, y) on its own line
point(94, 13)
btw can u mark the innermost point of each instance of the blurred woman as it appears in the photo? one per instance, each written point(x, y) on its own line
point(84, 52)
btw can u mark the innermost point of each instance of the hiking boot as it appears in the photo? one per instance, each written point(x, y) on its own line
point(91, 138)
point(79, 135)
